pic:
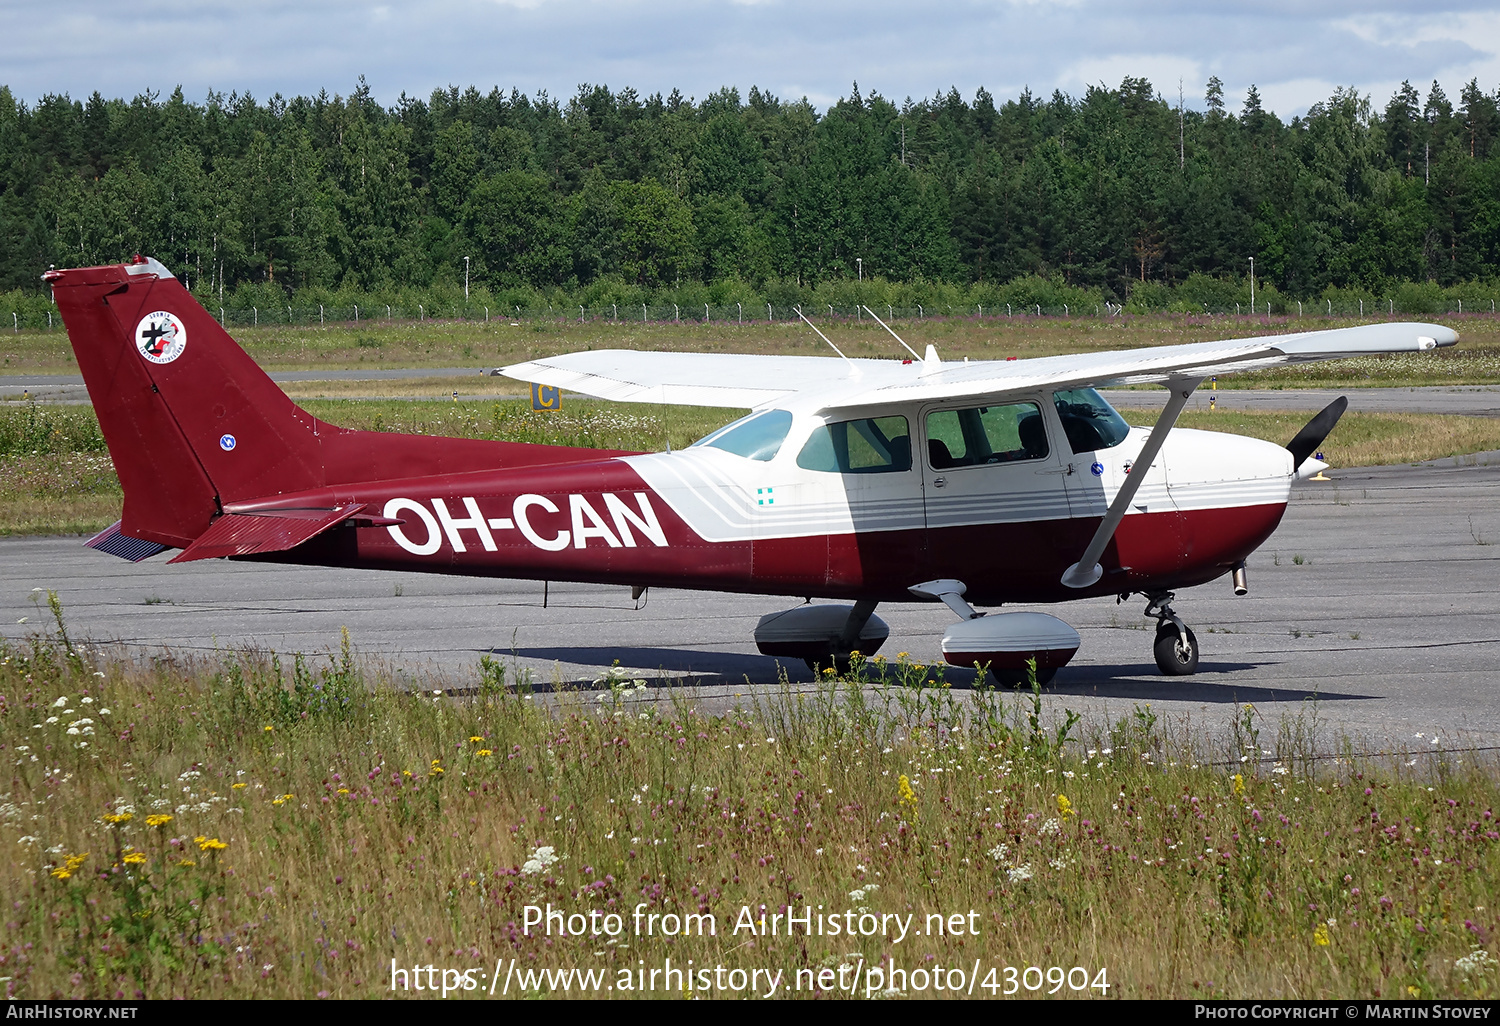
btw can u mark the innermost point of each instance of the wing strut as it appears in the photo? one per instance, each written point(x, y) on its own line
point(822, 336)
point(1087, 570)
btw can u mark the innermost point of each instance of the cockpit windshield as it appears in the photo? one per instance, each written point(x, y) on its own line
point(1089, 422)
point(756, 437)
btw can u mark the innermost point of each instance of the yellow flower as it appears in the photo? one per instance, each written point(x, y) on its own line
point(134, 858)
point(186, 862)
point(475, 740)
point(406, 773)
point(70, 866)
point(436, 769)
point(1064, 807)
point(236, 787)
point(117, 817)
point(484, 751)
point(269, 728)
point(158, 819)
point(209, 844)
point(1239, 785)
point(1414, 991)
point(904, 793)
point(282, 799)
point(1320, 935)
point(343, 790)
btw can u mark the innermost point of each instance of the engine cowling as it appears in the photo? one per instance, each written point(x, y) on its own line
point(1005, 641)
point(814, 632)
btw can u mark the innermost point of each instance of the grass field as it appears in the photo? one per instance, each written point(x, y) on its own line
point(436, 344)
point(56, 476)
point(236, 826)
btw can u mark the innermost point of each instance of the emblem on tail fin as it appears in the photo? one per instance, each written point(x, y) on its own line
point(160, 337)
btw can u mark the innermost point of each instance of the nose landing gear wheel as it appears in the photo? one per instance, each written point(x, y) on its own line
point(1176, 655)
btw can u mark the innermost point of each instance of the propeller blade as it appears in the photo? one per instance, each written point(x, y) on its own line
point(1311, 436)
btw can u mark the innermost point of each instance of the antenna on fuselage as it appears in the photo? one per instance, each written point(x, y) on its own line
point(895, 336)
point(822, 336)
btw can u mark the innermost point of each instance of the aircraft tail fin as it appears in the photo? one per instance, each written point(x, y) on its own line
point(194, 425)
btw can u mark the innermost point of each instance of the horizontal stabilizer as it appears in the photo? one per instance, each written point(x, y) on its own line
point(116, 544)
point(265, 530)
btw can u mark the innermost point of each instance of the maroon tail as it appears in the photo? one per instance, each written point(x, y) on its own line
point(192, 422)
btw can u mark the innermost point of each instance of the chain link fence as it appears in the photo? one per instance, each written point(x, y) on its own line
point(42, 316)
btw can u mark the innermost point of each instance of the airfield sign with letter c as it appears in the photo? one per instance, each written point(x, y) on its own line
point(545, 397)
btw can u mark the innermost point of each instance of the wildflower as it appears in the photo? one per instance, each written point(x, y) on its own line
point(998, 852)
point(117, 817)
point(541, 860)
point(436, 769)
point(1476, 963)
point(269, 728)
point(209, 843)
point(484, 751)
point(186, 862)
point(1049, 827)
point(236, 787)
point(1320, 935)
point(1239, 785)
point(1017, 874)
point(282, 799)
point(475, 740)
point(904, 793)
point(64, 701)
point(1064, 807)
point(70, 866)
point(158, 819)
point(134, 858)
point(860, 893)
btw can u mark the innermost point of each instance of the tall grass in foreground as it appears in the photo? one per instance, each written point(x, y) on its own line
point(244, 826)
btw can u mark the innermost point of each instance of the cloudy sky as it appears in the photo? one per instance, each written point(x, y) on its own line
point(1296, 51)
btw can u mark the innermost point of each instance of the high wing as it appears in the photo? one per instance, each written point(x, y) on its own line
point(703, 379)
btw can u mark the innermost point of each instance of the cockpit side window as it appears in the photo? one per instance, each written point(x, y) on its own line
point(1089, 422)
point(876, 445)
point(756, 437)
point(985, 434)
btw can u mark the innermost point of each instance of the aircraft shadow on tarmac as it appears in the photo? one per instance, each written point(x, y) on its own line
point(700, 668)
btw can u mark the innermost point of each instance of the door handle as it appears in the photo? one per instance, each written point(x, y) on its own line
point(939, 482)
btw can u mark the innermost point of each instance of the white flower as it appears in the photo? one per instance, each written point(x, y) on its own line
point(86, 700)
point(50, 719)
point(1018, 874)
point(540, 861)
point(1476, 963)
point(998, 852)
point(73, 730)
point(1051, 826)
point(103, 712)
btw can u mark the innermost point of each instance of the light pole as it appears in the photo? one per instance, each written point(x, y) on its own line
point(859, 263)
point(1252, 285)
point(466, 279)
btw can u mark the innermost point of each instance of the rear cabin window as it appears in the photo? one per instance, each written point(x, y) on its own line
point(877, 445)
point(985, 434)
point(756, 437)
point(1089, 421)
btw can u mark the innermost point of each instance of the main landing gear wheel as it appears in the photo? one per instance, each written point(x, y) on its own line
point(1018, 678)
point(1176, 654)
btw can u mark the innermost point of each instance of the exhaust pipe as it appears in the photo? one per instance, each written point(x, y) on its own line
point(1241, 581)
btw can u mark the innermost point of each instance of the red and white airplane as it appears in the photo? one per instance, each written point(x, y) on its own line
point(866, 481)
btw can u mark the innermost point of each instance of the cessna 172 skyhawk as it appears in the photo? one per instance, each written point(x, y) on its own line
point(863, 480)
